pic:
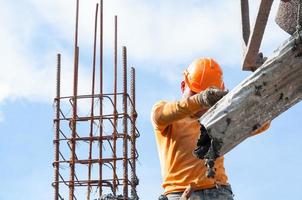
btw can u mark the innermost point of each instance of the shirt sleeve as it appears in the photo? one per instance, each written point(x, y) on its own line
point(164, 113)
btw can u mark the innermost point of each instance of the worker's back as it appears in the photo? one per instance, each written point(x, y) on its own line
point(180, 168)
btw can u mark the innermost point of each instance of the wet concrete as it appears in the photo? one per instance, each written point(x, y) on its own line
point(286, 17)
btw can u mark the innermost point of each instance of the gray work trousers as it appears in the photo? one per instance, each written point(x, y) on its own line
point(219, 193)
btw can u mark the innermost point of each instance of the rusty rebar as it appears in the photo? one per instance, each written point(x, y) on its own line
point(74, 115)
point(86, 161)
point(95, 138)
point(76, 33)
point(74, 107)
point(125, 126)
point(57, 127)
point(73, 127)
point(115, 102)
point(92, 101)
point(83, 183)
point(101, 102)
point(75, 119)
point(134, 180)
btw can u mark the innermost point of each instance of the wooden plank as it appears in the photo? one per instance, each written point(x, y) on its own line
point(250, 62)
point(268, 92)
point(245, 22)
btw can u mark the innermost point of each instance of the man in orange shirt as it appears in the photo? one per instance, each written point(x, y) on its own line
point(177, 130)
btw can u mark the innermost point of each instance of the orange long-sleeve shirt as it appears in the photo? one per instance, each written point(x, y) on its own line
point(176, 134)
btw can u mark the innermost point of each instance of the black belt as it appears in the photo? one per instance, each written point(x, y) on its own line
point(227, 187)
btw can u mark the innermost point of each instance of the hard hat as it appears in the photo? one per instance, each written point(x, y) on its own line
point(203, 73)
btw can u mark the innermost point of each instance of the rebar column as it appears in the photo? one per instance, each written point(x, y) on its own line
point(101, 103)
point(134, 180)
point(125, 126)
point(74, 130)
point(114, 109)
point(92, 104)
point(120, 157)
point(57, 128)
point(74, 107)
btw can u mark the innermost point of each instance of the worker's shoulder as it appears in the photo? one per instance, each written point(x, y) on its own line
point(158, 104)
point(156, 109)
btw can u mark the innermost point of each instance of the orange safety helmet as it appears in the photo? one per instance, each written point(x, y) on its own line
point(203, 73)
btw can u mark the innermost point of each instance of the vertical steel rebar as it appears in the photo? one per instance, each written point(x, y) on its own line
point(101, 103)
point(57, 127)
point(114, 109)
point(133, 136)
point(76, 27)
point(74, 107)
point(125, 126)
point(92, 103)
point(74, 127)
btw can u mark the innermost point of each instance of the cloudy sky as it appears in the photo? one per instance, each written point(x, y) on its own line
point(162, 37)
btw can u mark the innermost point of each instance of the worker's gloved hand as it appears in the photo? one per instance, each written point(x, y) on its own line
point(210, 96)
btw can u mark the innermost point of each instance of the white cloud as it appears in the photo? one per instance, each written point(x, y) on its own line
point(26, 72)
point(156, 32)
point(1, 116)
point(162, 34)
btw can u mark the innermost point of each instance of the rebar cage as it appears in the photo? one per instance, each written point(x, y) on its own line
point(95, 134)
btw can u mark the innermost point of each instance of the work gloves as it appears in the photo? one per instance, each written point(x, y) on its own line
point(210, 96)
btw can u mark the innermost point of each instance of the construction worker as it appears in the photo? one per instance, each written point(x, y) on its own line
point(177, 129)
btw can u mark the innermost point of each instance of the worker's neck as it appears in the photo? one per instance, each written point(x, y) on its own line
point(187, 92)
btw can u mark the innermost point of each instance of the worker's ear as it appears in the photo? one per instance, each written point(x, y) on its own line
point(182, 86)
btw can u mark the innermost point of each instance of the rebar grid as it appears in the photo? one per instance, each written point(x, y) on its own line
point(91, 145)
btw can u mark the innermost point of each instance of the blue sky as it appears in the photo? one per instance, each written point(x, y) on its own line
point(162, 37)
